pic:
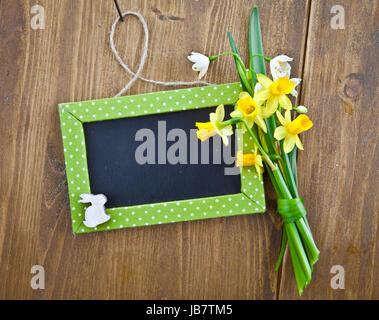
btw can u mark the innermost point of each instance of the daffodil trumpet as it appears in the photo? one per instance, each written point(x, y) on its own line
point(251, 159)
point(276, 140)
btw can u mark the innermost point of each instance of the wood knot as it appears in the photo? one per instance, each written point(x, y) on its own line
point(353, 86)
point(162, 16)
point(351, 90)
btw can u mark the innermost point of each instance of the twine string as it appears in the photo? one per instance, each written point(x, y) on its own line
point(137, 75)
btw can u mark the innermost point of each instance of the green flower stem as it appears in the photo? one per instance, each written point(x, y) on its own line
point(292, 161)
point(301, 280)
point(291, 181)
point(309, 244)
point(230, 122)
point(283, 247)
point(286, 194)
point(257, 55)
point(211, 58)
point(296, 245)
point(275, 184)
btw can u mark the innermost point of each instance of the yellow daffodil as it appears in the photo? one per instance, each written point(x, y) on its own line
point(251, 159)
point(249, 110)
point(289, 130)
point(275, 92)
point(214, 126)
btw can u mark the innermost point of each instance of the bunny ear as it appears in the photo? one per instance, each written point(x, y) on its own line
point(101, 198)
point(86, 197)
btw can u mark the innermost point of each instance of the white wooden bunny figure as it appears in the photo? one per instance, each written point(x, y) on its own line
point(95, 214)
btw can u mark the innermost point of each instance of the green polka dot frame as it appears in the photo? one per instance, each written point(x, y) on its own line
point(250, 200)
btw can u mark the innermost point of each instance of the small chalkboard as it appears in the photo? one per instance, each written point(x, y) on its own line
point(142, 153)
point(114, 171)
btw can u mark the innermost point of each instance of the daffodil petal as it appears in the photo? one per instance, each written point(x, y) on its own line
point(272, 104)
point(264, 113)
point(213, 118)
point(281, 119)
point(220, 113)
point(280, 133)
point(260, 122)
point(289, 143)
point(261, 96)
point(287, 116)
point(298, 143)
point(264, 81)
point(285, 102)
point(243, 94)
point(258, 160)
point(250, 121)
point(227, 131)
point(225, 140)
point(236, 114)
point(258, 87)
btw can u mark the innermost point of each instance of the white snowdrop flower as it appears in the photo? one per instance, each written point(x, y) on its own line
point(296, 81)
point(201, 63)
point(280, 67)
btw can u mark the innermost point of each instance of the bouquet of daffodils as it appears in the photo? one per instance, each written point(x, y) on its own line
point(264, 111)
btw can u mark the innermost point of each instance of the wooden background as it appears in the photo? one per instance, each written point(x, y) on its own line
point(227, 258)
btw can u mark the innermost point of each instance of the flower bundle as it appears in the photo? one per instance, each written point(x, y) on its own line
point(264, 111)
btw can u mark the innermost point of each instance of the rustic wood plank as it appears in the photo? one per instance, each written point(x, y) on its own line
point(70, 60)
point(338, 169)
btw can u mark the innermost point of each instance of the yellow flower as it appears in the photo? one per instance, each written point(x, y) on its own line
point(251, 159)
point(249, 110)
point(289, 130)
point(214, 126)
point(275, 92)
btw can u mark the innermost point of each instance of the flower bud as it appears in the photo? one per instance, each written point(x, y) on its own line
point(301, 109)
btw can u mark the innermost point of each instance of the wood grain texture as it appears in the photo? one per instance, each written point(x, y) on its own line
point(338, 170)
point(227, 258)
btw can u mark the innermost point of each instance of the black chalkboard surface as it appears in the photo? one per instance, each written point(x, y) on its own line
point(113, 170)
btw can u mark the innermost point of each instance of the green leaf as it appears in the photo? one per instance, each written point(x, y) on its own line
point(256, 47)
point(240, 68)
point(255, 44)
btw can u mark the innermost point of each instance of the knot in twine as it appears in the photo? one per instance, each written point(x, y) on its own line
point(137, 75)
point(291, 210)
